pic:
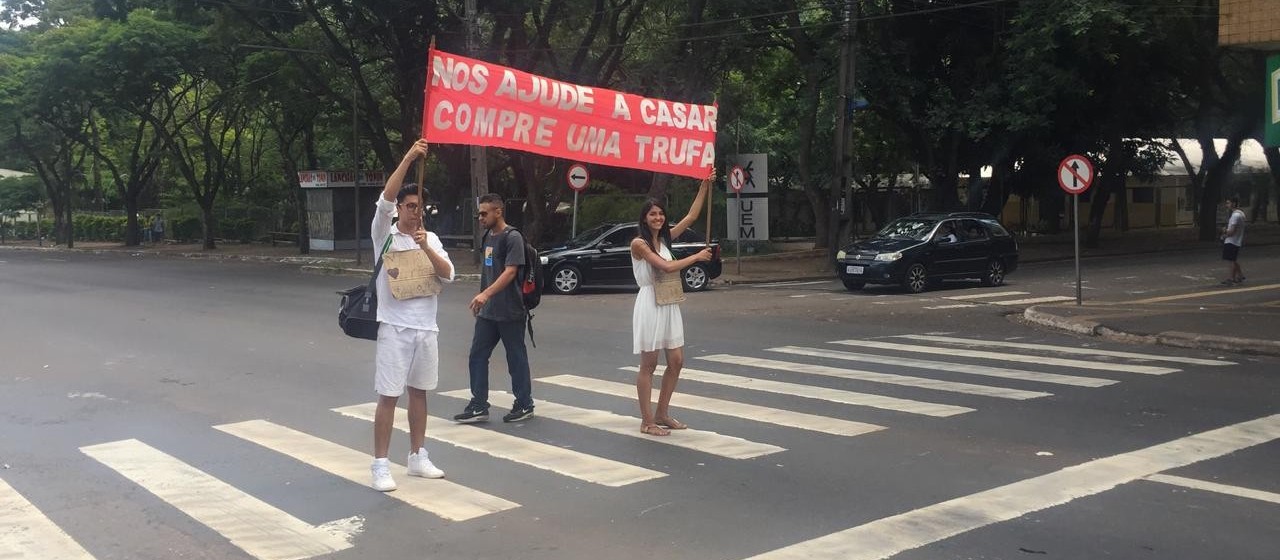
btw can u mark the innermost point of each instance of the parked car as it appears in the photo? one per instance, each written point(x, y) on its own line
point(601, 256)
point(922, 249)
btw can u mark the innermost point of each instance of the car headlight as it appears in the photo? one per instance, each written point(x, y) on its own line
point(888, 257)
point(543, 260)
point(840, 255)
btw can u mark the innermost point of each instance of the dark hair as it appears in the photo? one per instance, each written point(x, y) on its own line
point(1235, 200)
point(642, 226)
point(410, 189)
point(491, 198)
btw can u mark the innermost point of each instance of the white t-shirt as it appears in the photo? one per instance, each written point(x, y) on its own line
point(417, 313)
point(1236, 221)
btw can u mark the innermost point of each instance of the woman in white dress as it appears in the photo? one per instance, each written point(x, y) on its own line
point(659, 327)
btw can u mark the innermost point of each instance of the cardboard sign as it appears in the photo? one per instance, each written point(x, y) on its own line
point(410, 274)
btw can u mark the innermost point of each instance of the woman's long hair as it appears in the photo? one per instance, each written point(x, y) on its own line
point(642, 227)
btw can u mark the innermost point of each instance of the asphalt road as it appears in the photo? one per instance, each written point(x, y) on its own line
point(157, 408)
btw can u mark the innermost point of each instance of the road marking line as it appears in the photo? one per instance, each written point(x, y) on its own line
point(1207, 294)
point(444, 498)
point(739, 410)
point(948, 366)
point(697, 440)
point(819, 393)
point(1065, 349)
point(256, 527)
point(952, 306)
point(26, 533)
point(893, 535)
point(986, 295)
point(566, 462)
point(790, 284)
point(1216, 487)
point(1042, 360)
point(875, 377)
point(1029, 301)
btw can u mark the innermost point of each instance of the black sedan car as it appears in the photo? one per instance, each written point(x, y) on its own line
point(922, 249)
point(601, 256)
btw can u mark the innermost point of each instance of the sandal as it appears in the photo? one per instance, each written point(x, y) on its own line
point(672, 424)
point(654, 430)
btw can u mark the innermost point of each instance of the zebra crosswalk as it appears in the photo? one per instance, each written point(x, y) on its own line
point(833, 291)
point(814, 379)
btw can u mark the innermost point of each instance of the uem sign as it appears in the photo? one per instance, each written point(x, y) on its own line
point(469, 101)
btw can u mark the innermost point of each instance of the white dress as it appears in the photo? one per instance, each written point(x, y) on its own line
point(653, 326)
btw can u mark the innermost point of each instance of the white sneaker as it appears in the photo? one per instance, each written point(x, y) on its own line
point(420, 465)
point(382, 480)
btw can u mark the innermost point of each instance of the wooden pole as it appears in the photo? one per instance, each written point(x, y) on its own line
point(426, 98)
point(709, 195)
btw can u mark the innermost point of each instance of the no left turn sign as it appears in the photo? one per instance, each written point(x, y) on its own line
point(1075, 174)
point(578, 177)
point(737, 178)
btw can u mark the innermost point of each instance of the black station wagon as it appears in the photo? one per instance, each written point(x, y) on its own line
point(601, 256)
point(922, 249)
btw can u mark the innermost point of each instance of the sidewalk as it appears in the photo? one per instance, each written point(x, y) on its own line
point(1175, 321)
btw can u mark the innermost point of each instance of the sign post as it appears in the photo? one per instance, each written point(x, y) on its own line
point(1075, 174)
point(577, 177)
point(737, 178)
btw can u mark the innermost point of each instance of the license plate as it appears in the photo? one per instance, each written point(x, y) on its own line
point(853, 269)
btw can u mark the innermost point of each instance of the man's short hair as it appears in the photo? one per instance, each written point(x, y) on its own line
point(410, 189)
point(1234, 200)
point(492, 198)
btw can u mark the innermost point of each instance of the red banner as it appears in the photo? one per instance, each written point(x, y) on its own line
point(469, 101)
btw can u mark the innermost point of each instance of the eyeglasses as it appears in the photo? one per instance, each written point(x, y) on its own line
point(411, 207)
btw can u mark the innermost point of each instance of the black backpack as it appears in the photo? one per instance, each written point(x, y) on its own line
point(529, 278)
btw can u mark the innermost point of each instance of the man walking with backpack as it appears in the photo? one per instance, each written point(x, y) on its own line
point(500, 316)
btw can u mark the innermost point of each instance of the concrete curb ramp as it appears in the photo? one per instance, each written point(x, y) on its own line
point(1176, 339)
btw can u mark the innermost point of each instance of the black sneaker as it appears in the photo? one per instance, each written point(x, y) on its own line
point(518, 413)
point(472, 414)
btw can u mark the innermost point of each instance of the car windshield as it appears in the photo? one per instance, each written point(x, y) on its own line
point(588, 236)
point(907, 228)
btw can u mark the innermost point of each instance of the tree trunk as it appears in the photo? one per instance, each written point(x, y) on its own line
point(209, 225)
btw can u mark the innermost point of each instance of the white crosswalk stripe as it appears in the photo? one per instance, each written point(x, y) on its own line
point(745, 411)
point(950, 366)
point(952, 306)
point(441, 497)
point(876, 377)
point(1042, 360)
point(1032, 301)
point(544, 456)
point(697, 440)
point(1063, 349)
point(256, 527)
point(820, 393)
point(27, 534)
point(985, 295)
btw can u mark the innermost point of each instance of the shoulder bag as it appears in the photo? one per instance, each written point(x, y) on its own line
point(358, 309)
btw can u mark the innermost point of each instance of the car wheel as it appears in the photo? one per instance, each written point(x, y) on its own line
point(852, 285)
point(566, 280)
point(995, 273)
point(695, 278)
point(916, 279)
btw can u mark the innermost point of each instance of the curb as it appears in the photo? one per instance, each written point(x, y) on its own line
point(1175, 339)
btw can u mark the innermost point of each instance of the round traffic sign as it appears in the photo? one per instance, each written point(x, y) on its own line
point(737, 178)
point(578, 177)
point(1075, 174)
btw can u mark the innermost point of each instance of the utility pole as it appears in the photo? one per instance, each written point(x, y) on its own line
point(840, 182)
point(479, 157)
point(355, 160)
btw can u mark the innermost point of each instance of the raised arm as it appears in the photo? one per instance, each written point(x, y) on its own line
point(695, 210)
point(392, 188)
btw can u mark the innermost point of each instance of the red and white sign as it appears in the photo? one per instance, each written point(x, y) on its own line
point(1075, 174)
point(737, 178)
point(578, 177)
point(320, 179)
point(470, 101)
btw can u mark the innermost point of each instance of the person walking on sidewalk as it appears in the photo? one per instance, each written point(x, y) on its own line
point(659, 327)
point(1232, 240)
point(157, 228)
point(500, 314)
point(407, 354)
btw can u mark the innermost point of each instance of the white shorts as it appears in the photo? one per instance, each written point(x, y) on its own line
point(405, 356)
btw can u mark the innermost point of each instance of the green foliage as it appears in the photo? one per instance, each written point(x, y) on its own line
point(19, 193)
